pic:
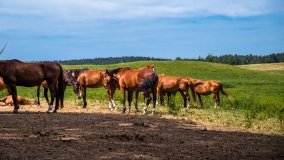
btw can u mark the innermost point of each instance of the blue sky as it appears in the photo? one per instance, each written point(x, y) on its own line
point(72, 29)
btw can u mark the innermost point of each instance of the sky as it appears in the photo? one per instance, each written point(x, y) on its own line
point(39, 30)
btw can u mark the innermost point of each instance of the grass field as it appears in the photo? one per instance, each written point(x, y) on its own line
point(258, 93)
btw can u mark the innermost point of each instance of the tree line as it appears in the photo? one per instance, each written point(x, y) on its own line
point(109, 60)
point(233, 59)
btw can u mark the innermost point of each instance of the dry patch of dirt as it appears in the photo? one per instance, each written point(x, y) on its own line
point(74, 133)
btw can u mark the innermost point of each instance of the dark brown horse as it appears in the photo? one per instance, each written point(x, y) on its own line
point(170, 85)
point(93, 79)
point(144, 79)
point(17, 73)
point(213, 87)
point(68, 80)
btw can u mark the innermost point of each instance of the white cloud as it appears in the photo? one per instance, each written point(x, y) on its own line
point(121, 9)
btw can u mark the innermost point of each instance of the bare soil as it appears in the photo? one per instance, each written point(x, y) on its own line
point(77, 134)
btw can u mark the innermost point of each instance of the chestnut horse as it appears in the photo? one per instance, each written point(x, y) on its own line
point(170, 85)
point(144, 79)
point(17, 73)
point(210, 87)
point(92, 79)
point(8, 100)
point(68, 80)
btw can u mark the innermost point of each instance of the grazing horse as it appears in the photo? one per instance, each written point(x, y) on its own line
point(210, 87)
point(170, 85)
point(92, 79)
point(17, 73)
point(8, 100)
point(68, 80)
point(144, 79)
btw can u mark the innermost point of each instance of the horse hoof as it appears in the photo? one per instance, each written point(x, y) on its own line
point(54, 111)
point(15, 111)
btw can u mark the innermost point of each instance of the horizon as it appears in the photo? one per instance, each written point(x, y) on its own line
point(69, 30)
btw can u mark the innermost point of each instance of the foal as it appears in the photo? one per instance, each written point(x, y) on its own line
point(210, 87)
point(8, 100)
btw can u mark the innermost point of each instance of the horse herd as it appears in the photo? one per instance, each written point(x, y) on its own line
point(51, 76)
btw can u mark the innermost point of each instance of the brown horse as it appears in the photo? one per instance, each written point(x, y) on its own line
point(92, 79)
point(210, 87)
point(17, 73)
point(8, 100)
point(144, 79)
point(170, 85)
point(68, 80)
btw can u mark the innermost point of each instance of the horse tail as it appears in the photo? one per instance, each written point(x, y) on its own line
point(60, 88)
point(224, 93)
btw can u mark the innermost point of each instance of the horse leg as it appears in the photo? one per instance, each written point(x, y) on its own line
point(184, 96)
point(199, 98)
point(218, 99)
point(161, 95)
point(45, 90)
point(215, 100)
point(154, 100)
point(148, 100)
point(14, 97)
point(110, 99)
point(62, 100)
point(38, 94)
point(136, 101)
point(130, 94)
point(187, 100)
point(84, 94)
point(123, 100)
point(52, 90)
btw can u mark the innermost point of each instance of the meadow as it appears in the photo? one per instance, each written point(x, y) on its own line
point(258, 104)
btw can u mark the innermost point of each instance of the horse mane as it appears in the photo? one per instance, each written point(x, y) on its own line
point(114, 71)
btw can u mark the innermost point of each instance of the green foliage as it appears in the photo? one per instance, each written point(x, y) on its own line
point(173, 107)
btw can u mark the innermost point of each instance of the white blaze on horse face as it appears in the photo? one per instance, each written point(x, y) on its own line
point(73, 74)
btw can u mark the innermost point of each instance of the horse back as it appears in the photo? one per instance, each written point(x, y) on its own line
point(29, 74)
point(91, 78)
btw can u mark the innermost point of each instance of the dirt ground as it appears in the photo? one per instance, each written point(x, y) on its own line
point(77, 134)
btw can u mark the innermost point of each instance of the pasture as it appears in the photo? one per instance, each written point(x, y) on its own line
point(253, 120)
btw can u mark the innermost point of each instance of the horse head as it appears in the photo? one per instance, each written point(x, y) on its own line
point(107, 77)
point(69, 79)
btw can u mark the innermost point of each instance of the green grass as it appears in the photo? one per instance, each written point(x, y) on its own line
point(259, 95)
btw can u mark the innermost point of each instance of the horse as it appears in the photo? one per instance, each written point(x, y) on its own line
point(18, 73)
point(210, 87)
point(8, 100)
point(68, 80)
point(144, 79)
point(170, 85)
point(92, 79)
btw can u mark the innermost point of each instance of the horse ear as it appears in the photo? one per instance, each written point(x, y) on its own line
point(107, 72)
